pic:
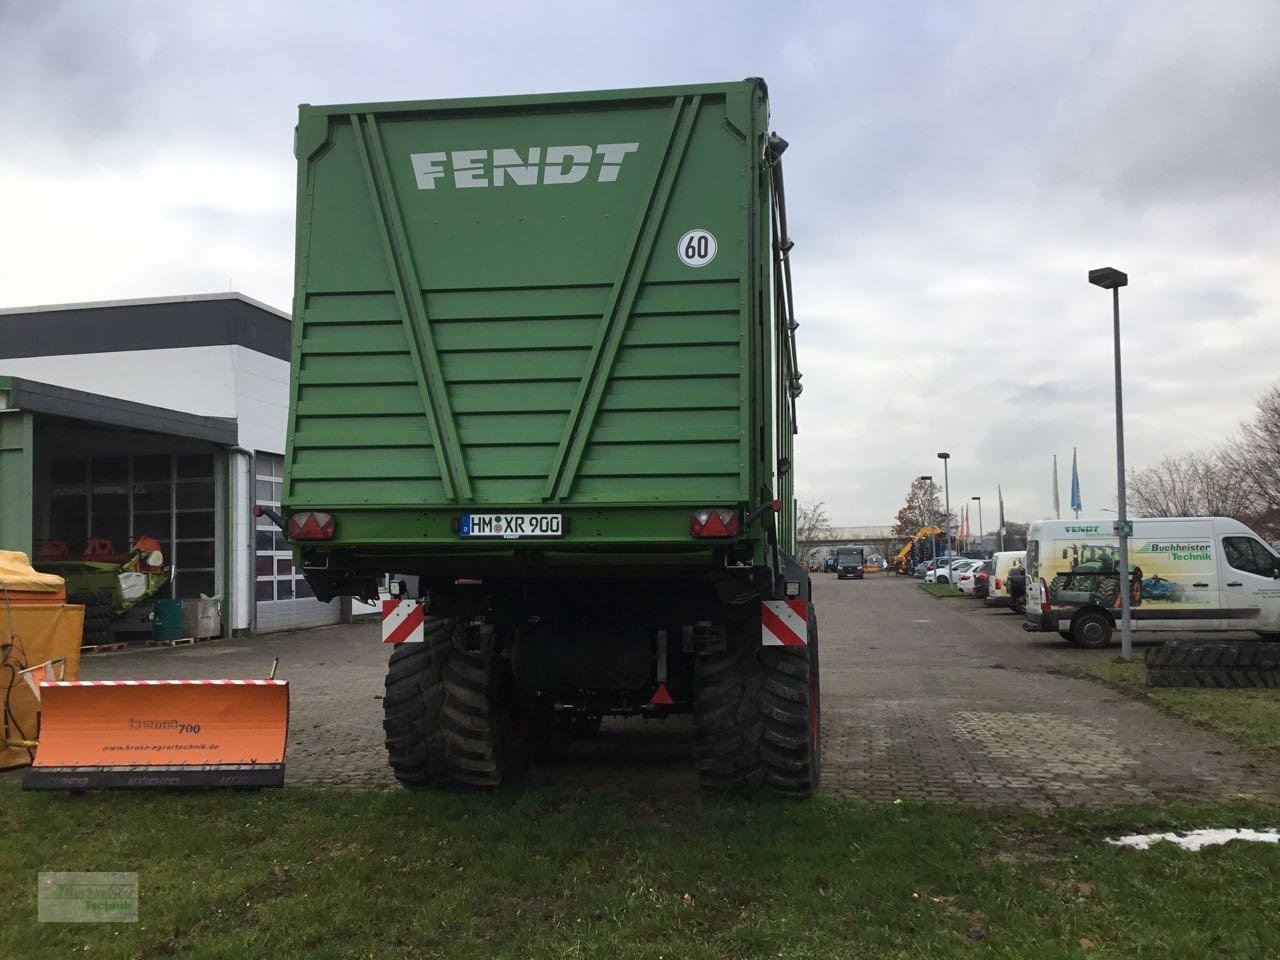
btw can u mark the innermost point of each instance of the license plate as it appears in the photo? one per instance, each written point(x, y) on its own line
point(511, 526)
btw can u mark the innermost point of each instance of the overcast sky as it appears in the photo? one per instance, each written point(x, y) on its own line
point(956, 169)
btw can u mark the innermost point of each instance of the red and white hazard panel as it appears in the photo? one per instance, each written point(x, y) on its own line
point(402, 621)
point(784, 623)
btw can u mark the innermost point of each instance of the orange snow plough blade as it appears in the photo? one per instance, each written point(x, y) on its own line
point(97, 734)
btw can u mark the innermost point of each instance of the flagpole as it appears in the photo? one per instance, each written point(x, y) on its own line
point(1057, 511)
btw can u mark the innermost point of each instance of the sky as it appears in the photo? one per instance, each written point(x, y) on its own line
point(955, 170)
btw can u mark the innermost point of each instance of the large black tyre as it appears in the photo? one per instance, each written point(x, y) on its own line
point(1214, 663)
point(1090, 629)
point(757, 716)
point(450, 717)
point(98, 616)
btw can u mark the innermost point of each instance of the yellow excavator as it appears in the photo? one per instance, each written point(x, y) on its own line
point(902, 559)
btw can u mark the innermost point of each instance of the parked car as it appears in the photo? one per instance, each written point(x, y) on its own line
point(966, 578)
point(982, 580)
point(1005, 561)
point(948, 569)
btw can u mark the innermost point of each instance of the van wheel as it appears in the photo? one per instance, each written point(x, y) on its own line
point(1091, 630)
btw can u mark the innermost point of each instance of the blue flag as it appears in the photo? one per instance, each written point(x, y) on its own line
point(1075, 484)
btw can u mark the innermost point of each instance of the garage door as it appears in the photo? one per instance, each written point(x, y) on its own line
point(284, 600)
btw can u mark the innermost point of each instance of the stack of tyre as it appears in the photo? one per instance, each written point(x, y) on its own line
point(1214, 663)
point(97, 616)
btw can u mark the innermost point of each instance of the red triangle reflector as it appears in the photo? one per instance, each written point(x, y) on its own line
point(661, 696)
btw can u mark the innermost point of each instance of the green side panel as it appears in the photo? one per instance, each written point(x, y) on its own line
point(491, 308)
point(17, 475)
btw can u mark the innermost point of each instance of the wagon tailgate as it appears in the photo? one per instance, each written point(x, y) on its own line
point(536, 343)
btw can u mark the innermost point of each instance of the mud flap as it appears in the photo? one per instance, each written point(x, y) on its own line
point(110, 734)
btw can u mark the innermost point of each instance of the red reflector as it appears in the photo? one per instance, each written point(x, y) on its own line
point(661, 696)
point(311, 525)
point(714, 522)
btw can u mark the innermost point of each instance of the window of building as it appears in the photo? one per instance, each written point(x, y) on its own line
point(276, 578)
point(120, 498)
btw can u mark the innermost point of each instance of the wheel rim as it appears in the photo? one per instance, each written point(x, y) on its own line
point(1093, 633)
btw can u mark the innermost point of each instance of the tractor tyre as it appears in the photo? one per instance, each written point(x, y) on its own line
point(488, 733)
point(757, 716)
point(1214, 663)
point(413, 696)
point(98, 616)
point(1090, 630)
point(450, 717)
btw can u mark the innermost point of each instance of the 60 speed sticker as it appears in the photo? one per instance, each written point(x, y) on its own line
point(696, 248)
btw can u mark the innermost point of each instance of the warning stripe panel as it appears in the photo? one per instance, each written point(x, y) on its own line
point(403, 621)
point(784, 623)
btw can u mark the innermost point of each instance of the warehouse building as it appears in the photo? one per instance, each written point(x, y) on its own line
point(163, 418)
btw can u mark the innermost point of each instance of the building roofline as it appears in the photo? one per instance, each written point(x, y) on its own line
point(18, 393)
point(145, 301)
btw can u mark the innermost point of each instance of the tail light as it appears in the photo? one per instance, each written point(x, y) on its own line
point(966, 577)
point(1044, 596)
point(311, 525)
point(981, 576)
point(997, 583)
point(714, 522)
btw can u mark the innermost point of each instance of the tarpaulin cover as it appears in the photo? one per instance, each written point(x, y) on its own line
point(21, 582)
point(36, 632)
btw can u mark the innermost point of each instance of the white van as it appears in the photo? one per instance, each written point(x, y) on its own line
point(1002, 561)
point(1186, 573)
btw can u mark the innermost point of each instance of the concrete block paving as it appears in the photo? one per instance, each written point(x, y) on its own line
point(923, 699)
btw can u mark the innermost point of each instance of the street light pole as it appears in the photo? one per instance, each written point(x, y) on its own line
point(1112, 279)
point(981, 538)
point(946, 486)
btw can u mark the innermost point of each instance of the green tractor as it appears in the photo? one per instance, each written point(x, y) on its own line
point(110, 585)
point(1094, 578)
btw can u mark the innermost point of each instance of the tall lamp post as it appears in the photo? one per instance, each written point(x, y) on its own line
point(946, 486)
point(1109, 278)
point(933, 539)
point(982, 545)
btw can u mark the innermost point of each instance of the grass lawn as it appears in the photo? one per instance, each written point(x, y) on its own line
point(940, 589)
point(544, 874)
point(1250, 717)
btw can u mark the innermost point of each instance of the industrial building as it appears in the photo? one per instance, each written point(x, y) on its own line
point(163, 418)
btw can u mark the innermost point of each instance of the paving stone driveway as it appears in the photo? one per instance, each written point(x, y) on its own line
point(922, 698)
